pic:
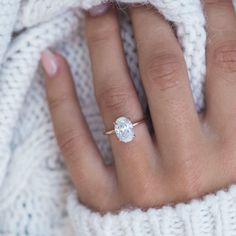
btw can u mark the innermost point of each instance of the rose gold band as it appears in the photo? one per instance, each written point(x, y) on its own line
point(134, 124)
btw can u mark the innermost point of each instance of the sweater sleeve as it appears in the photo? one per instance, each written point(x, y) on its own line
point(214, 214)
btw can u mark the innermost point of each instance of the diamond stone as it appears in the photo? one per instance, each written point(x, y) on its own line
point(124, 129)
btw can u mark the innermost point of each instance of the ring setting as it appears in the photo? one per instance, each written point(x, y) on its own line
point(124, 129)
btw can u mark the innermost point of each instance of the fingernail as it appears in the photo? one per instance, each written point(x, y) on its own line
point(49, 63)
point(98, 10)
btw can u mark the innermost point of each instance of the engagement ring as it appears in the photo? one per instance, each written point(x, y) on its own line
point(124, 129)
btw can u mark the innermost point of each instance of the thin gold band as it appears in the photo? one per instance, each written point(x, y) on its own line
point(113, 131)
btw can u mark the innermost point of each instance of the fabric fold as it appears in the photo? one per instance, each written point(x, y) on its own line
point(211, 215)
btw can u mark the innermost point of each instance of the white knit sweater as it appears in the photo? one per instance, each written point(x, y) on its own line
point(36, 195)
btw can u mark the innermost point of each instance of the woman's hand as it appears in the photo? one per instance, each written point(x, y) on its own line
point(189, 156)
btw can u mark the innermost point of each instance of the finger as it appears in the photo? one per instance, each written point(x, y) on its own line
point(221, 63)
point(80, 152)
point(165, 80)
point(116, 96)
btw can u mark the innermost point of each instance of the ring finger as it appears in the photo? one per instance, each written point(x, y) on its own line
point(117, 97)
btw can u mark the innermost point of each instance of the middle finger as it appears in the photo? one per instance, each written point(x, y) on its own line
point(166, 83)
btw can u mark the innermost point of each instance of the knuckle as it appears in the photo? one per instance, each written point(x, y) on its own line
point(224, 56)
point(103, 202)
point(144, 195)
point(163, 69)
point(145, 200)
point(189, 179)
point(56, 101)
point(103, 33)
point(68, 142)
point(113, 99)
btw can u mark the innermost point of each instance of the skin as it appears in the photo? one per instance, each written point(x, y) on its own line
point(190, 155)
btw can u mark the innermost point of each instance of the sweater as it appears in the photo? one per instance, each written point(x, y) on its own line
point(37, 197)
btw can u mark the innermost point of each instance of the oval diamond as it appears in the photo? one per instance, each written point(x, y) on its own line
point(124, 129)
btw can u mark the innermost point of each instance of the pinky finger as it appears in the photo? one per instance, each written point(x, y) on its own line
point(89, 174)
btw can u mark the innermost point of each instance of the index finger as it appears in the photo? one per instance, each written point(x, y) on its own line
point(81, 154)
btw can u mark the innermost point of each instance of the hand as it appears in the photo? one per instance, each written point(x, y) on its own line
point(189, 156)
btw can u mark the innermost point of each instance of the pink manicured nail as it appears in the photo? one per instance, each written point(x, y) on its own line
point(98, 10)
point(49, 63)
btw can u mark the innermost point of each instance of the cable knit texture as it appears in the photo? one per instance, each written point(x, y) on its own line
point(34, 184)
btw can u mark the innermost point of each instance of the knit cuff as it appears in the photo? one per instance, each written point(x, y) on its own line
point(214, 214)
